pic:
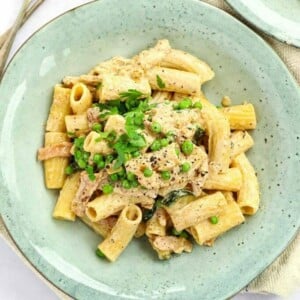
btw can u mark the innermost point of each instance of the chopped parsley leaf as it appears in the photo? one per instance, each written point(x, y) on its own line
point(160, 82)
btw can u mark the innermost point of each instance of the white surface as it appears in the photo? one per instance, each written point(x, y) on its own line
point(16, 280)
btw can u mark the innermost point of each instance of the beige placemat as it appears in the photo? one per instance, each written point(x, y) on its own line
point(283, 276)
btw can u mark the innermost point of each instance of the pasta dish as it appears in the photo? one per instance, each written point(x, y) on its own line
point(136, 149)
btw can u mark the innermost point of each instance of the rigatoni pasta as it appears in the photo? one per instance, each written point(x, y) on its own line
point(196, 211)
point(241, 117)
point(206, 232)
point(77, 124)
point(59, 109)
point(240, 142)
point(231, 180)
point(94, 143)
point(122, 233)
point(248, 195)
point(105, 206)
point(181, 60)
point(54, 167)
point(172, 80)
point(80, 98)
point(62, 209)
point(138, 150)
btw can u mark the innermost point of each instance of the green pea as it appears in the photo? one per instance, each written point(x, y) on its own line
point(155, 145)
point(187, 147)
point(156, 127)
point(92, 176)
point(134, 183)
point(81, 163)
point(79, 142)
point(214, 220)
point(97, 158)
point(78, 154)
point(197, 104)
point(101, 164)
point(107, 189)
point(113, 177)
point(131, 176)
point(148, 172)
point(126, 184)
point(185, 103)
point(90, 170)
point(86, 155)
point(136, 154)
point(165, 175)
point(164, 142)
point(185, 167)
point(69, 170)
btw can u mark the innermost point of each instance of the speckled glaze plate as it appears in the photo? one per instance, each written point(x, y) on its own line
point(278, 18)
point(64, 252)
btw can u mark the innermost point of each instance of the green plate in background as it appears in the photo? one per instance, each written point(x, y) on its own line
point(71, 44)
point(278, 18)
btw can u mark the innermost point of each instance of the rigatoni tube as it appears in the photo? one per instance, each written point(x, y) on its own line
point(218, 145)
point(241, 117)
point(105, 206)
point(80, 98)
point(77, 124)
point(112, 85)
point(59, 109)
point(154, 227)
point(196, 211)
point(54, 168)
point(103, 227)
point(181, 60)
point(122, 233)
point(248, 195)
point(172, 80)
point(231, 180)
point(62, 209)
point(240, 141)
point(95, 144)
point(229, 217)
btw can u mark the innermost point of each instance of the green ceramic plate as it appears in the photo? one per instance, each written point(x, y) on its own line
point(64, 252)
point(278, 18)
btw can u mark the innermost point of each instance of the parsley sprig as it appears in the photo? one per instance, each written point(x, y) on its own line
point(160, 82)
point(132, 105)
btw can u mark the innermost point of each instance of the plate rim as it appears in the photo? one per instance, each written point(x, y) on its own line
point(52, 277)
point(267, 28)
